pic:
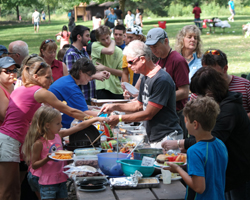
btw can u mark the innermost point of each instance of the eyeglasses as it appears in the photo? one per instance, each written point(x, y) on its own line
point(14, 53)
point(214, 52)
point(9, 71)
point(90, 75)
point(132, 61)
point(31, 56)
point(42, 65)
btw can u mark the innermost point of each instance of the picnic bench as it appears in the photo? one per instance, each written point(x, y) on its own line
point(173, 191)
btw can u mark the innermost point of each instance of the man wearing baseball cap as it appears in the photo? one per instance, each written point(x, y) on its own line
point(3, 51)
point(174, 64)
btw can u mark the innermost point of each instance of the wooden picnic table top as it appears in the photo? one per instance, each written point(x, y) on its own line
point(173, 191)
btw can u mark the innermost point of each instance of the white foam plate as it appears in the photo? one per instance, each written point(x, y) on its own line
point(131, 89)
point(53, 154)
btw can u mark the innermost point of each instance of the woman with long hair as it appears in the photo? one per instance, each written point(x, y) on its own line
point(24, 101)
point(65, 35)
point(188, 43)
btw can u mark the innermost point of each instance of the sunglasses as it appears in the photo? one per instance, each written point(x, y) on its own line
point(214, 52)
point(47, 41)
point(42, 65)
point(9, 71)
point(132, 61)
point(31, 56)
point(14, 53)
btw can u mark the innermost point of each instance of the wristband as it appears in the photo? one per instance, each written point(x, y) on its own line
point(120, 118)
point(178, 143)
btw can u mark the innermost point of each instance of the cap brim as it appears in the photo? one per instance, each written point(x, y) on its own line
point(9, 64)
point(151, 42)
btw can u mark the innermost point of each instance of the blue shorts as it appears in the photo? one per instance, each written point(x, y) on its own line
point(36, 23)
point(33, 182)
point(55, 191)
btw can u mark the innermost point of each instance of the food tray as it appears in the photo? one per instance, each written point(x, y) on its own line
point(150, 182)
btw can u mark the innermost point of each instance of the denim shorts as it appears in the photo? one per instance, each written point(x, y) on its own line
point(55, 191)
point(33, 182)
point(9, 149)
point(36, 23)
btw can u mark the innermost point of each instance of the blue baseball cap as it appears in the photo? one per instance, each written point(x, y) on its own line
point(3, 50)
point(6, 62)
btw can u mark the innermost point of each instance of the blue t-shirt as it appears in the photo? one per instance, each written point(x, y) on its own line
point(231, 3)
point(112, 18)
point(194, 65)
point(65, 89)
point(208, 159)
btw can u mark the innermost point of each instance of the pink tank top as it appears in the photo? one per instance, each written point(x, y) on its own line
point(64, 38)
point(7, 94)
point(20, 111)
point(35, 172)
point(52, 171)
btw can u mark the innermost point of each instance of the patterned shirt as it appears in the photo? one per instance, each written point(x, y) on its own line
point(70, 57)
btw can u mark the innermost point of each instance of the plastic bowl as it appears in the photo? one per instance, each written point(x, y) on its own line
point(130, 166)
point(149, 152)
point(108, 165)
point(87, 151)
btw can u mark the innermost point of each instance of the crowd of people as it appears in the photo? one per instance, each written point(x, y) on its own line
point(212, 125)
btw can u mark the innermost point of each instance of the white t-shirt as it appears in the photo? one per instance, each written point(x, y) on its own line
point(36, 16)
point(129, 20)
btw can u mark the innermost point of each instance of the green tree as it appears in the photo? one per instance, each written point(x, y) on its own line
point(9, 4)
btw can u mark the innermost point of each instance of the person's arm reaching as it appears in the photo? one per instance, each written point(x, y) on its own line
point(116, 72)
point(125, 75)
point(197, 183)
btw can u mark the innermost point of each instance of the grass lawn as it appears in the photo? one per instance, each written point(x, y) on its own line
point(231, 41)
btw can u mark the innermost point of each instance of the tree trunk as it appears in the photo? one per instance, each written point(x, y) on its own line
point(49, 12)
point(122, 7)
point(17, 13)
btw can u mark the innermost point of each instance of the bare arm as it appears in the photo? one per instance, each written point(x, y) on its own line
point(101, 67)
point(182, 92)
point(248, 114)
point(110, 49)
point(47, 97)
point(125, 74)
point(36, 154)
point(65, 70)
point(141, 20)
point(145, 115)
point(4, 105)
point(197, 183)
point(124, 107)
point(81, 126)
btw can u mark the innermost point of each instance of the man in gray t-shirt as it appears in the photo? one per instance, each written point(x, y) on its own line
point(156, 101)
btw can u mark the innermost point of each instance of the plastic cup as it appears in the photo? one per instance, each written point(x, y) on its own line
point(166, 176)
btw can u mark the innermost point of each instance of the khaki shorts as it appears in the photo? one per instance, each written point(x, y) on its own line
point(9, 149)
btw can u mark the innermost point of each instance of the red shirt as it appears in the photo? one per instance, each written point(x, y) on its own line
point(57, 69)
point(178, 69)
point(196, 12)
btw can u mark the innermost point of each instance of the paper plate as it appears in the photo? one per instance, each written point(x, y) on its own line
point(131, 89)
point(53, 154)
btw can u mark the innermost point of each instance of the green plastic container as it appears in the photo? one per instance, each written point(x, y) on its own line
point(130, 166)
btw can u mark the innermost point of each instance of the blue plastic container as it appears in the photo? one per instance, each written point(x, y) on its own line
point(130, 166)
point(108, 165)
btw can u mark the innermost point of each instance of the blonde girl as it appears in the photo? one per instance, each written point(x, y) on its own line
point(23, 103)
point(43, 138)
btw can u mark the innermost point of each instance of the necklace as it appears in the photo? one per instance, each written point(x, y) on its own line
point(167, 57)
point(189, 59)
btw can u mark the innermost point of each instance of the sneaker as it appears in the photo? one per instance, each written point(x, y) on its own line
point(229, 19)
point(232, 20)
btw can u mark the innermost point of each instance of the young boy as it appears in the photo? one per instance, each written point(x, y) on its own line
point(207, 159)
point(107, 56)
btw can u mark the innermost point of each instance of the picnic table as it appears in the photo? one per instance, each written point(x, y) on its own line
point(173, 191)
